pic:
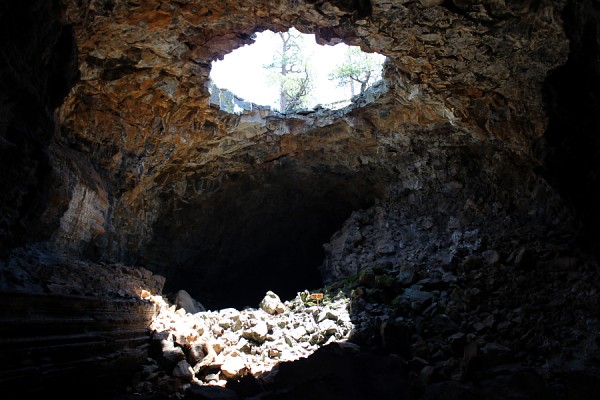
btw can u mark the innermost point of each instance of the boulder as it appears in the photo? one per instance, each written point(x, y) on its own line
point(272, 304)
point(183, 300)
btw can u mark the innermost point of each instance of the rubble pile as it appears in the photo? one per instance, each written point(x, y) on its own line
point(210, 348)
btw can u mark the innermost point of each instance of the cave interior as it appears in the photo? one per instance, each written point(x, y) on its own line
point(477, 156)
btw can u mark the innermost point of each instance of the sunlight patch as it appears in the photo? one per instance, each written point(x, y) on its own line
point(213, 347)
point(289, 71)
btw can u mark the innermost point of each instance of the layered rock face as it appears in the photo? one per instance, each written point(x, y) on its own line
point(113, 153)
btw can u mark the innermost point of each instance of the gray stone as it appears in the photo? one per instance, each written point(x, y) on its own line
point(184, 300)
point(491, 257)
point(257, 333)
point(183, 371)
point(234, 367)
point(407, 275)
point(170, 352)
point(414, 295)
point(272, 304)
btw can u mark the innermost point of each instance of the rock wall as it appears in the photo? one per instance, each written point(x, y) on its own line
point(444, 205)
point(112, 152)
point(70, 326)
point(152, 154)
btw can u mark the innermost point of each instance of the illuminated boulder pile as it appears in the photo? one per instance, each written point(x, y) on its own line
point(211, 348)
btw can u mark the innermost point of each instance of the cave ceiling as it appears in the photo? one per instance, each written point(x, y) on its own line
point(152, 163)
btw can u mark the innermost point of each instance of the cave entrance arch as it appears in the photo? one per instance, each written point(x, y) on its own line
point(259, 231)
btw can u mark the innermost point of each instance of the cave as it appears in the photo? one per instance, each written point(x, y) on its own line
point(453, 204)
point(258, 233)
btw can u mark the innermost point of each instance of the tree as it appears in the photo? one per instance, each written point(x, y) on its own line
point(357, 68)
point(290, 71)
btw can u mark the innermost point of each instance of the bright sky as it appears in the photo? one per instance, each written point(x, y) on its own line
point(242, 72)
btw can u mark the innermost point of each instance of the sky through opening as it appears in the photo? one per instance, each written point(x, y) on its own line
point(243, 71)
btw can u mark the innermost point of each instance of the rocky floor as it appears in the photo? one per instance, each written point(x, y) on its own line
point(522, 326)
point(214, 347)
point(506, 320)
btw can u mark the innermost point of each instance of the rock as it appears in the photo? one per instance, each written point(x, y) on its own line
point(196, 353)
point(214, 346)
point(426, 374)
point(183, 371)
point(441, 323)
point(234, 367)
point(407, 275)
point(327, 313)
point(171, 353)
point(184, 301)
point(272, 304)
point(523, 258)
point(494, 348)
point(327, 327)
point(385, 249)
point(257, 333)
point(489, 321)
point(491, 257)
point(419, 299)
point(299, 333)
point(185, 335)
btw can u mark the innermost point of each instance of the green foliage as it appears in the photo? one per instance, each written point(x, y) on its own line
point(357, 68)
point(290, 72)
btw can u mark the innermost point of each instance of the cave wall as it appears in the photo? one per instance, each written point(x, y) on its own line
point(445, 206)
point(39, 66)
point(136, 166)
point(65, 326)
point(142, 152)
point(141, 168)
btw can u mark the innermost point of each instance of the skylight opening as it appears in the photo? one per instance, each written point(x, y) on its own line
point(289, 71)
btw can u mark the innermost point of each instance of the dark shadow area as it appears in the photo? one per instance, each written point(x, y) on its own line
point(256, 233)
point(571, 147)
point(38, 68)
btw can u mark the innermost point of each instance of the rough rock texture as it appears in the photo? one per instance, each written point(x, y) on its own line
point(180, 186)
point(112, 152)
point(213, 348)
point(468, 307)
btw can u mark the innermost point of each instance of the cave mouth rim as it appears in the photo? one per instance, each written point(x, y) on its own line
point(237, 103)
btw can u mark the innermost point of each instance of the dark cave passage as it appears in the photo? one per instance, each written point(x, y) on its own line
point(254, 234)
point(571, 145)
